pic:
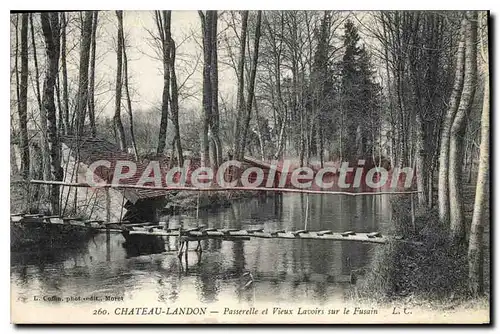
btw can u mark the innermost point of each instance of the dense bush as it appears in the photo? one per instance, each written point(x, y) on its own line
point(421, 265)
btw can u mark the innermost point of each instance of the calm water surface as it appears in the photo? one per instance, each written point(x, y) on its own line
point(283, 270)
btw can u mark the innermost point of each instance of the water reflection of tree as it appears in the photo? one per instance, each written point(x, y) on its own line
point(44, 265)
point(323, 254)
point(320, 292)
point(278, 206)
point(362, 218)
point(168, 283)
point(237, 246)
point(207, 282)
point(142, 245)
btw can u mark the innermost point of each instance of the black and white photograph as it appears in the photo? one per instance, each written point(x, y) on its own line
point(250, 167)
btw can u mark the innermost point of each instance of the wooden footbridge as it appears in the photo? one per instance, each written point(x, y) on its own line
point(161, 229)
point(141, 231)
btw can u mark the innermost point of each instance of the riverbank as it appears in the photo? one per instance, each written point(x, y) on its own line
point(178, 201)
point(184, 201)
point(432, 273)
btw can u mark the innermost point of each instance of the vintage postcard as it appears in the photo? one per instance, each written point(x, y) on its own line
point(219, 166)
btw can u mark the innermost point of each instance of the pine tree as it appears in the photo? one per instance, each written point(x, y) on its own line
point(321, 83)
point(360, 94)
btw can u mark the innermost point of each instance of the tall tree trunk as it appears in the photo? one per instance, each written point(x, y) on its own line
point(36, 171)
point(320, 141)
point(259, 131)
point(241, 84)
point(43, 115)
point(16, 59)
point(127, 94)
point(281, 137)
point(458, 131)
point(403, 149)
point(251, 87)
point(83, 80)
point(165, 35)
point(51, 32)
point(35, 60)
point(119, 131)
point(175, 105)
point(476, 253)
point(418, 101)
point(64, 73)
point(443, 183)
point(60, 117)
point(393, 126)
point(421, 161)
point(430, 189)
point(214, 81)
point(281, 108)
point(92, 75)
point(207, 26)
point(469, 157)
point(23, 99)
point(319, 69)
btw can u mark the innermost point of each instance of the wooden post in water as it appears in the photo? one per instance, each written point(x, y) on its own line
point(108, 244)
point(180, 243)
point(198, 247)
point(108, 212)
point(413, 214)
point(198, 209)
point(108, 206)
point(121, 210)
point(307, 212)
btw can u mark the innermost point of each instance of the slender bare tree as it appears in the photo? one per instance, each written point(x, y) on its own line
point(443, 183)
point(214, 83)
point(51, 33)
point(119, 131)
point(163, 20)
point(457, 132)
point(175, 105)
point(127, 94)
point(476, 242)
point(45, 166)
point(35, 61)
point(92, 74)
point(83, 80)
point(251, 87)
point(241, 83)
point(64, 68)
point(22, 106)
point(206, 26)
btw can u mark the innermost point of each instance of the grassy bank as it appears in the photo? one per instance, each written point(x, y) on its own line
point(426, 270)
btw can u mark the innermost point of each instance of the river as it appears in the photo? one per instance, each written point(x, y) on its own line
point(257, 270)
